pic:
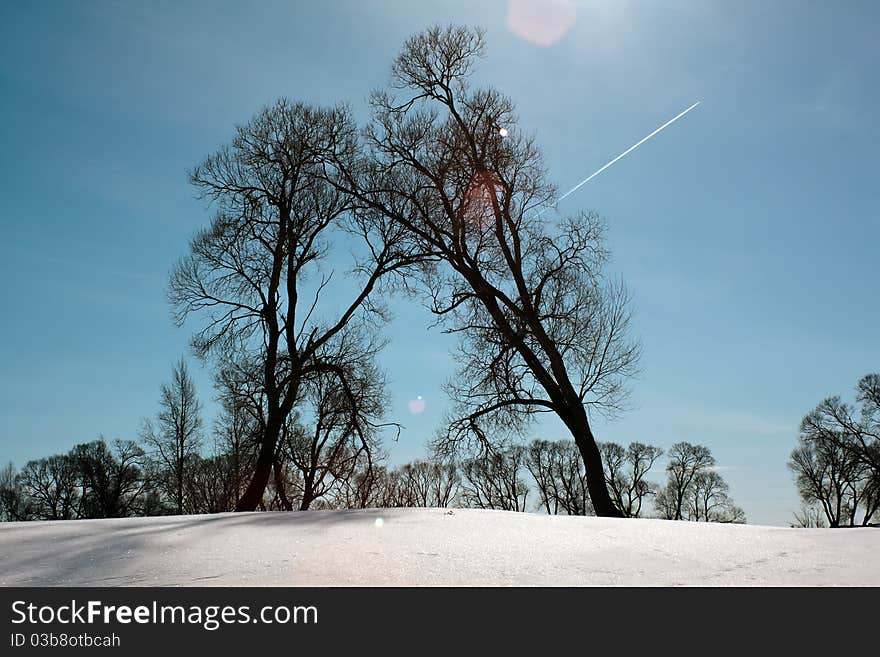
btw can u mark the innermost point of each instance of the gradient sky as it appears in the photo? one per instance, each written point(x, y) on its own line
point(748, 232)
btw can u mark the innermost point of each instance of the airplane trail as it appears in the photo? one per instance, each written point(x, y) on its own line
point(626, 152)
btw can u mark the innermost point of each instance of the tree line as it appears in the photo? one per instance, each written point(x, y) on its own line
point(168, 472)
point(835, 464)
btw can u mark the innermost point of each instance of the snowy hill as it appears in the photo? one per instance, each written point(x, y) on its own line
point(378, 547)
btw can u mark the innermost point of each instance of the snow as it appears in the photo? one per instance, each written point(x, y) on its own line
point(429, 547)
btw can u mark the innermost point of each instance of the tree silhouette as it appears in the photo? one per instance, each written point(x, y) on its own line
point(256, 277)
point(542, 329)
point(176, 437)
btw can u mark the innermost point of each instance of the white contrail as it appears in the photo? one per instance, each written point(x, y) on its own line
point(628, 150)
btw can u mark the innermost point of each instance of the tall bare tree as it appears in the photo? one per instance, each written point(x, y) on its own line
point(542, 329)
point(176, 436)
point(257, 274)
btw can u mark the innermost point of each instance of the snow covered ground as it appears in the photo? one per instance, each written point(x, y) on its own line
point(419, 547)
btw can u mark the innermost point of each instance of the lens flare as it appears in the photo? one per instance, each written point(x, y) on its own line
point(477, 207)
point(417, 405)
point(543, 22)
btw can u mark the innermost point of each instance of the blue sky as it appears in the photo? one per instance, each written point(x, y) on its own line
point(748, 232)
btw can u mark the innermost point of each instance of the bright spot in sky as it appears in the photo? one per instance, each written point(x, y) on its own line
point(543, 22)
point(379, 522)
point(417, 405)
point(503, 132)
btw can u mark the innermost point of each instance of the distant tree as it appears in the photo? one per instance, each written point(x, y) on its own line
point(238, 428)
point(421, 484)
point(368, 486)
point(258, 275)
point(111, 481)
point(558, 471)
point(540, 464)
point(51, 487)
point(494, 480)
point(686, 461)
point(13, 503)
point(176, 437)
point(211, 485)
point(709, 500)
point(336, 433)
point(625, 471)
point(543, 330)
point(437, 482)
point(809, 517)
point(694, 490)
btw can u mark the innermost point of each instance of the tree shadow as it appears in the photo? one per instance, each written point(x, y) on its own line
point(121, 552)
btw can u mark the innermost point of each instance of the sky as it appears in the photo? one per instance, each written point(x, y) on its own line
point(747, 231)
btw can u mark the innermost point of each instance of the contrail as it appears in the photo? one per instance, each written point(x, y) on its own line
point(627, 151)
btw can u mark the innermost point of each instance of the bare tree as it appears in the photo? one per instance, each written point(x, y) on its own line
point(540, 463)
point(256, 274)
point(238, 429)
point(709, 500)
point(420, 483)
point(558, 471)
point(334, 432)
point(494, 480)
point(694, 489)
point(51, 487)
point(368, 486)
point(440, 482)
point(809, 517)
point(625, 471)
point(855, 428)
point(212, 484)
point(837, 461)
point(686, 461)
point(176, 437)
point(14, 505)
point(112, 482)
point(542, 329)
point(829, 473)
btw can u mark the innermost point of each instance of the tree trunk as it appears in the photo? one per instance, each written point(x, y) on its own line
point(579, 426)
point(253, 494)
point(180, 488)
point(280, 486)
point(308, 495)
